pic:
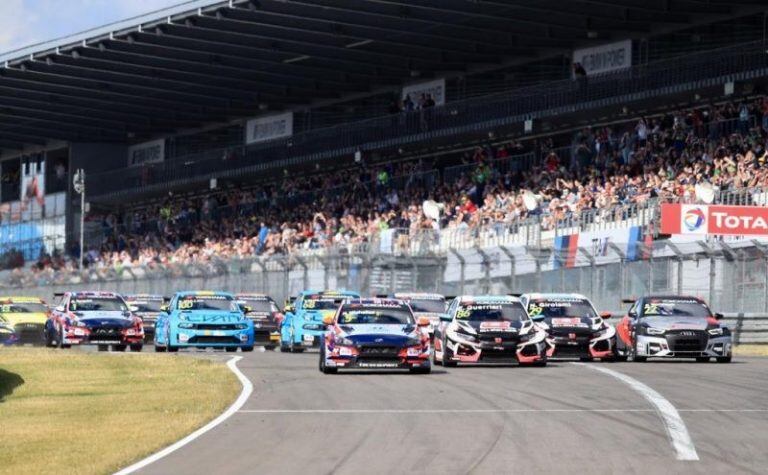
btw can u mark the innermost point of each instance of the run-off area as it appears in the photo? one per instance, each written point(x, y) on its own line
point(566, 418)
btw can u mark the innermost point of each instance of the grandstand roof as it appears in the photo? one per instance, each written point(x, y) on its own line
point(208, 61)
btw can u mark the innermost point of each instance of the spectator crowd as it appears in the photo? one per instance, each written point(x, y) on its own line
point(602, 172)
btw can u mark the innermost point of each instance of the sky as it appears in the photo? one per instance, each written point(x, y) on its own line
point(25, 22)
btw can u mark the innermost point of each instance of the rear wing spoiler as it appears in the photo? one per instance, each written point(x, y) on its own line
point(628, 301)
point(515, 295)
point(58, 294)
point(450, 297)
point(382, 296)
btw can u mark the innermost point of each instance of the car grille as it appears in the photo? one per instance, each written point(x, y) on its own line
point(379, 351)
point(214, 326)
point(106, 334)
point(682, 341)
point(262, 336)
point(213, 340)
point(488, 337)
point(567, 331)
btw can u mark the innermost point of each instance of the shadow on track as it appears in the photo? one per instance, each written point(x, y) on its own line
point(8, 383)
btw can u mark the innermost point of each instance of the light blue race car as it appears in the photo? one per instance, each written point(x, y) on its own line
point(303, 324)
point(203, 320)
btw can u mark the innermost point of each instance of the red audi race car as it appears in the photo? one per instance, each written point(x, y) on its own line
point(94, 318)
point(489, 329)
point(573, 326)
point(672, 326)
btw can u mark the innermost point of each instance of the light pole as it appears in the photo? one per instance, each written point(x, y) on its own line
point(79, 183)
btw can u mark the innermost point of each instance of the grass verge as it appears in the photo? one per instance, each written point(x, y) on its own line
point(750, 350)
point(73, 412)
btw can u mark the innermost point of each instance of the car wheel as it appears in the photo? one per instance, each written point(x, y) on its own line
point(172, 349)
point(159, 349)
point(636, 359)
point(724, 359)
point(137, 348)
point(702, 359)
point(247, 349)
point(325, 369)
point(230, 349)
point(60, 338)
point(119, 347)
point(269, 347)
point(48, 339)
point(447, 362)
point(102, 348)
point(421, 370)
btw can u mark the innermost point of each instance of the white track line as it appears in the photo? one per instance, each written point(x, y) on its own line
point(673, 423)
point(472, 411)
point(239, 402)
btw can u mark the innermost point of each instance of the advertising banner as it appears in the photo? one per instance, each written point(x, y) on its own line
point(703, 220)
point(270, 127)
point(605, 58)
point(147, 152)
point(436, 88)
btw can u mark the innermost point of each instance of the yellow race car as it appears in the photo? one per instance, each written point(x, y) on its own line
point(26, 317)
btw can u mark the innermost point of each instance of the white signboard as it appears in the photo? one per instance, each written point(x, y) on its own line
point(270, 127)
point(147, 152)
point(436, 88)
point(604, 58)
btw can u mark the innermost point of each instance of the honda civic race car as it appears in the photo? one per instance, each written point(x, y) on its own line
point(486, 329)
point(148, 308)
point(26, 317)
point(266, 318)
point(431, 306)
point(573, 327)
point(96, 318)
point(375, 334)
point(303, 326)
point(203, 320)
point(672, 327)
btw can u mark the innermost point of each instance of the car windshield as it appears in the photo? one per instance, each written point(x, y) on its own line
point(207, 302)
point(259, 305)
point(321, 303)
point(428, 305)
point(675, 308)
point(361, 315)
point(23, 308)
point(491, 312)
point(97, 304)
point(146, 305)
point(561, 308)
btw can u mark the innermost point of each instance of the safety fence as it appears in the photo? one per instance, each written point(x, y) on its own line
point(695, 71)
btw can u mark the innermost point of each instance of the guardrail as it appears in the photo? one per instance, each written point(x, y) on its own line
point(640, 82)
point(748, 328)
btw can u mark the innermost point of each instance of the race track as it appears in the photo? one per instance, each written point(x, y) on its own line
point(565, 418)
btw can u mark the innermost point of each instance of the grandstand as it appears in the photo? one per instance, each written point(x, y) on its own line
point(250, 129)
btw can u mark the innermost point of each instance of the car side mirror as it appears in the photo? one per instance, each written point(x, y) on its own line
point(719, 316)
point(288, 308)
point(59, 308)
point(164, 308)
point(246, 308)
point(328, 320)
point(445, 317)
point(605, 315)
point(423, 322)
point(133, 308)
point(632, 315)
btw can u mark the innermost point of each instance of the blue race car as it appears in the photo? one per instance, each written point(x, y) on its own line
point(303, 326)
point(203, 320)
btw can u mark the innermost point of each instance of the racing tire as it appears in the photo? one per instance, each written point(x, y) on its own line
point(702, 359)
point(159, 349)
point(172, 349)
point(60, 339)
point(102, 348)
point(724, 359)
point(230, 349)
point(284, 349)
point(246, 349)
point(632, 352)
point(137, 348)
point(297, 349)
point(269, 347)
point(48, 340)
point(447, 362)
point(120, 348)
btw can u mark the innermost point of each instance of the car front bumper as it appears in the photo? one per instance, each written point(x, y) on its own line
point(663, 347)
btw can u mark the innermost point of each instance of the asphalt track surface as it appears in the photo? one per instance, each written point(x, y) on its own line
point(565, 418)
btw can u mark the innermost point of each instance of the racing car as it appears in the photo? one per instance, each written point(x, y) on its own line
point(486, 329)
point(672, 326)
point(431, 306)
point(203, 319)
point(574, 328)
point(26, 317)
point(147, 307)
point(266, 318)
point(375, 334)
point(303, 326)
point(95, 318)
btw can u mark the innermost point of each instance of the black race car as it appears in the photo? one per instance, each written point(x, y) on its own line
point(266, 316)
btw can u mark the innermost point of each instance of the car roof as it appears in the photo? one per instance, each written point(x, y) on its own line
point(203, 293)
point(554, 295)
point(488, 298)
point(376, 301)
point(332, 293)
point(90, 293)
point(20, 299)
point(253, 296)
point(419, 295)
point(143, 297)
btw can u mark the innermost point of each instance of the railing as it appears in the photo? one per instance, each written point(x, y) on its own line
point(639, 82)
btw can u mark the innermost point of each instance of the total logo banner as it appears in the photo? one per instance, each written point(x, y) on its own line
point(714, 219)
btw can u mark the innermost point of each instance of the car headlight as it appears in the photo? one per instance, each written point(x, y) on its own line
point(715, 331)
point(654, 331)
point(186, 325)
point(340, 340)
